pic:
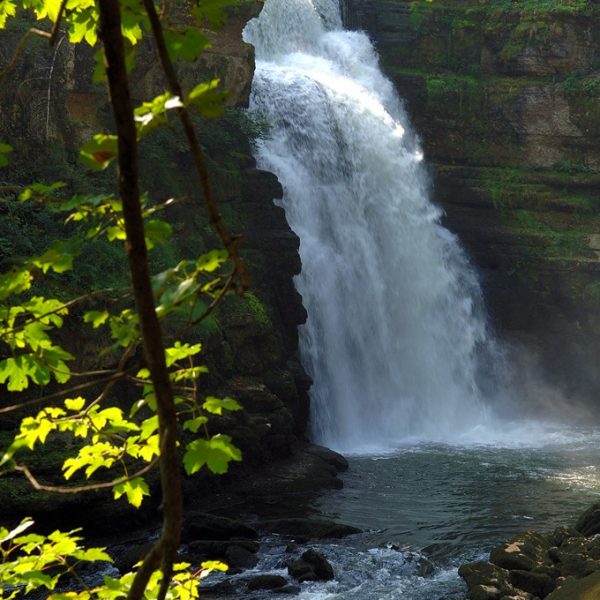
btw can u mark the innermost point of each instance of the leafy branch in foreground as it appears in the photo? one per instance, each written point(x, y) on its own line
point(115, 443)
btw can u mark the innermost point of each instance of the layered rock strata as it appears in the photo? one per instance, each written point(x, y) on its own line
point(506, 99)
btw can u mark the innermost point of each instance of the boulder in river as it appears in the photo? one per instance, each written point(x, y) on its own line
point(589, 522)
point(564, 565)
point(524, 552)
point(203, 526)
point(311, 566)
point(587, 588)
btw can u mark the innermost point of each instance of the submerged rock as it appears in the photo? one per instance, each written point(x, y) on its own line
point(266, 582)
point(314, 529)
point(203, 526)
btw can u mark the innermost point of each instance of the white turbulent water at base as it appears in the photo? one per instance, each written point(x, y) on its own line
point(394, 310)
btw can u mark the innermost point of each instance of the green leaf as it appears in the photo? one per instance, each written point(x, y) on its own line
point(48, 8)
point(213, 11)
point(4, 148)
point(216, 406)
point(59, 257)
point(91, 457)
point(116, 232)
point(9, 535)
point(157, 232)
point(181, 351)
point(208, 99)
point(216, 453)
point(130, 25)
point(75, 404)
point(194, 424)
point(151, 114)
point(8, 8)
point(14, 282)
point(98, 153)
point(187, 44)
point(135, 490)
point(16, 371)
point(201, 89)
point(83, 25)
point(211, 261)
point(96, 317)
point(214, 565)
point(93, 555)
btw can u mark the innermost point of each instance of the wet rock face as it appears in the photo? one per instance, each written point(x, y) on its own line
point(562, 565)
point(506, 100)
point(589, 522)
point(250, 344)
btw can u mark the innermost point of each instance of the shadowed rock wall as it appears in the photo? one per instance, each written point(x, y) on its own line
point(250, 343)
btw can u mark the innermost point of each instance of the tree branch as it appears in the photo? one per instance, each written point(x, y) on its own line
point(164, 551)
point(230, 242)
point(54, 32)
point(92, 487)
point(66, 393)
point(13, 61)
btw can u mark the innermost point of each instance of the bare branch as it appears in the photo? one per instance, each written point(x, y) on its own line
point(66, 393)
point(230, 242)
point(92, 487)
point(17, 53)
point(216, 301)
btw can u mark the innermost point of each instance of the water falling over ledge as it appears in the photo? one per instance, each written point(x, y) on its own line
point(396, 326)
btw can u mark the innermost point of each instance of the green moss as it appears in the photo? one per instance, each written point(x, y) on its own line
point(244, 310)
point(258, 310)
point(569, 7)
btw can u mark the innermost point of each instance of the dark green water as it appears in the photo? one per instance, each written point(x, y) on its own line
point(426, 509)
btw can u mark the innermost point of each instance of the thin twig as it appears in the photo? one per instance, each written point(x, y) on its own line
point(211, 307)
point(121, 368)
point(17, 53)
point(66, 393)
point(66, 306)
point(92, 487)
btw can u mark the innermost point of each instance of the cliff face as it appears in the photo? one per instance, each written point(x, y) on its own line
point(506, 99)
point(52, 107)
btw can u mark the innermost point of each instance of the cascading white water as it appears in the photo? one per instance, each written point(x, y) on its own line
point(394, 310)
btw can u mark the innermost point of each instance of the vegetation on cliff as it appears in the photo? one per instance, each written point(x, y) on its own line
point(113, 432)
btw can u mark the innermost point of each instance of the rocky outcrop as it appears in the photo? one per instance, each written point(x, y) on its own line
point(564, 564)
point(505, 97)
point(52, 98)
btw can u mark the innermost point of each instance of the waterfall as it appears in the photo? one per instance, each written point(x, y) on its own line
point(395, 328)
